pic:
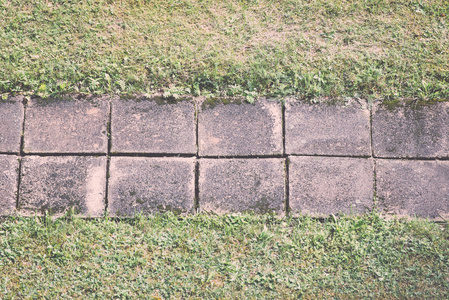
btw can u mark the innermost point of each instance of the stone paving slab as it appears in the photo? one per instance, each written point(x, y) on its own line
point(233, 128)
point(149, 185)
point(153, 125)
point(58, 183)
point(324, 144)
point(416, 132)
point(239, 185)
point(66, 125)
point(11, 122)
point(9, 171)
point(327, 129)
point(407, 188)
point(321, 186)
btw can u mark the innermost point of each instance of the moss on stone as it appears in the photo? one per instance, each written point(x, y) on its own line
point(6, 101)
point(169, 100)
point(210, 103)
point(44, 101)
point(391, 105)
point(159, 100)
point(262, 205)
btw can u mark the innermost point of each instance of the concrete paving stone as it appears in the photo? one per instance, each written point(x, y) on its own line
point(407, 188)
point(66, 125)
point(11, 122)
point(233, 128)
point(417, 132)
point(327, 129)
point(57, 183)
point(239, 185)
point(9, 171)
point(151, 185)
point(153, 125)
point(320, 186)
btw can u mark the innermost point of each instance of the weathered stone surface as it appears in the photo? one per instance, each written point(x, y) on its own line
point(407, 188)
point(153, 125)
point(238, 185)
point(11, 122)
point(66, 125)
point(9, 166)
point(327, 129)
point(327, 185)
point(150, 185)
point(56, 184)
point(240, 128)
point(420, 131)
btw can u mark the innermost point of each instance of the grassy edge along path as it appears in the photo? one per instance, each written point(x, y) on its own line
point(224, 257)
point(378, 49)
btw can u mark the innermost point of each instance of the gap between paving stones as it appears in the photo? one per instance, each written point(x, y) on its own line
point(441, 152)
point(108, 161)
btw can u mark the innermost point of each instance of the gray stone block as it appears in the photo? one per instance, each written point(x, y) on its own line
point(420, 131)
point(327, 129)
point(66, 125)
point(236, 128)
point(56, 184)
point(9, 171)
point(150, 185)
point(153, 125)
point(11, 122)
point(330, 185)
point(239, 185)
point(407, 188)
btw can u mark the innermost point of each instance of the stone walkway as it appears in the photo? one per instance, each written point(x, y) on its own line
point(125, 156)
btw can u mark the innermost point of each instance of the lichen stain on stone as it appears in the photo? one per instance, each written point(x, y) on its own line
point(95, 185)
point(93, 112)
point(214, 140)
point(275, 114)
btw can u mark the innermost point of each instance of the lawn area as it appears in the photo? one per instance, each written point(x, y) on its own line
point(376, 49)
point(224, 257)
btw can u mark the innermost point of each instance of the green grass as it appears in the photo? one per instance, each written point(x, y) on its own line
point(224, 257)
point(377, 49)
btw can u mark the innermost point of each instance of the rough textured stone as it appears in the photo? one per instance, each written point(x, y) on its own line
point(149, 185)
point(56, 184)
point(153, 125)
point(327, 129)
point(238, 185)
point(66, 125)
point(420, 131)
point(407, 188)
point(11, 121)
point(236, 128)
point(9, 166)
point(327, 185)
